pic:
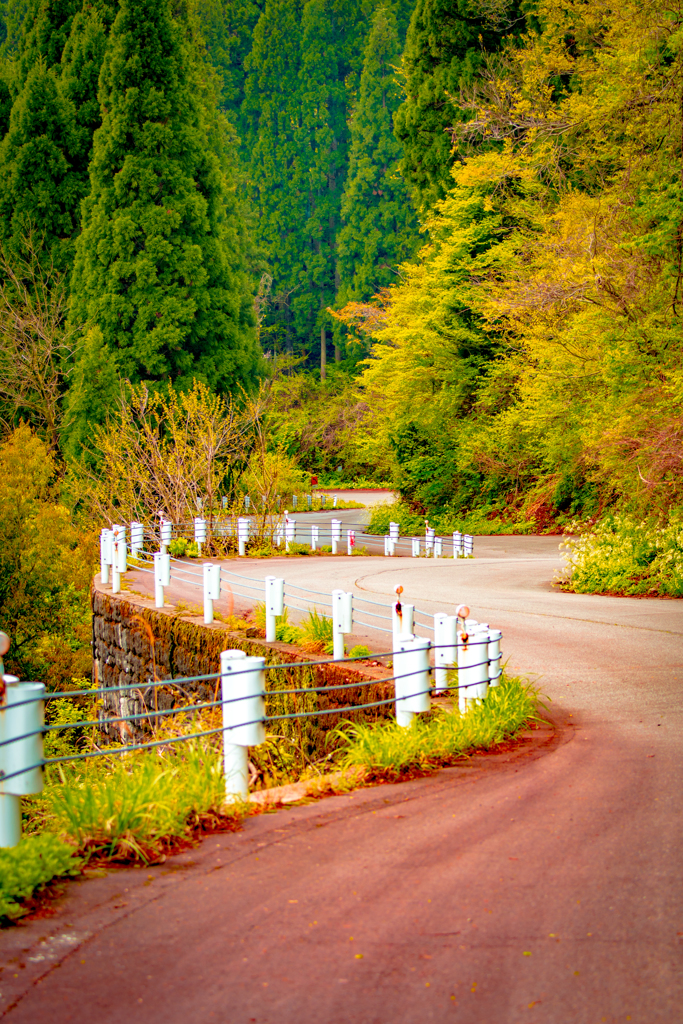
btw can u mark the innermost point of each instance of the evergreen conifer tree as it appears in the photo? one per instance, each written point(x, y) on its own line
point(158, 267)
point(227, 27)
point(271, 116)
point(380, 227)
point(442, 54)
point(39, 190)
point(329, 42)
point(45, 30)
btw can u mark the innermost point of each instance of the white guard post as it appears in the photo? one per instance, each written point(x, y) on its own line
point(473, 663)
point(350, 541)
point(199, 532)
point(401, 617)
point(137, 538)
point(342, 620)
point(411, 667)
point(275, 604)
point(119, 561)
point(309, 501)
point(106, 553)
point(290, 531)
point(18, 718)
point(243, 687)
point(445, 649)
point(334, 502)
point(336, 534)
point(468, 546)
point(394, 534)
point(166, 533)
point(212, 589)
point(387, 545)
point(495, 657)
point(279, 534)
point(314, 537)
point(243, 525)
point(322, 501)
point(416, 547)
point(457, 544)
point(429, 540)
point(162, 576)
point(438, 549)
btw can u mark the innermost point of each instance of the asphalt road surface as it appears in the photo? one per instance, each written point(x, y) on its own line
point(538, 886)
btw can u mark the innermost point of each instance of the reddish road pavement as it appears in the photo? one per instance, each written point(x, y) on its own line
point(539, 886)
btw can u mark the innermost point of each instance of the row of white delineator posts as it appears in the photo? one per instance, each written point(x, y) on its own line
point(460, 643)
point(114, 540)
point(113, 552)
point(473, 649)
point(476, 655)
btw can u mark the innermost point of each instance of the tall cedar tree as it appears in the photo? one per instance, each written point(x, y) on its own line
point(227, 29)
point(81, 65)
point(380, 227)
point(443, 52)
point(158, 268)
point(271, 118)
point(329, 43)
point(39, 190)
point(45, 30)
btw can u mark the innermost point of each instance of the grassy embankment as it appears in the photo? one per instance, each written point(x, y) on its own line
point(139, 807)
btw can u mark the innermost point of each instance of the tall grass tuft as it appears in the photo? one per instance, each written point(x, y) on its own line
point(389, 751)
point(138, 805)
point(317, 633)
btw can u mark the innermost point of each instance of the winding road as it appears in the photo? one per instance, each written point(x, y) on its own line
point(540, 885)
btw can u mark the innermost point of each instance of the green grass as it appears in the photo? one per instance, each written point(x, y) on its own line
point(317, 632)
point(137, 805)
point(389, 751)
point(314, 634)
point(622, 555)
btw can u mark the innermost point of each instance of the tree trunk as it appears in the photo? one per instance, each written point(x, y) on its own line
point(323, 353)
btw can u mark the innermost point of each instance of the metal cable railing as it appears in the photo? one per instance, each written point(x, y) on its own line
point(243, 704)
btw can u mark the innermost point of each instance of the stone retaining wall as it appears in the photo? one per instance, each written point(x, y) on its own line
point(135, 643)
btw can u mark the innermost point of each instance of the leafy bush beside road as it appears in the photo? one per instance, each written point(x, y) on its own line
point(622, 555)
point(24, 868)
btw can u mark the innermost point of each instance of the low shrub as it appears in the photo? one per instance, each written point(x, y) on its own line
point(25, 868)
point(182, 547)
point(622, 555)
point(285, 632)
point(360, 651)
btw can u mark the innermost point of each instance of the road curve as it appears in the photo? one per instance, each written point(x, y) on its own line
point(539, 886)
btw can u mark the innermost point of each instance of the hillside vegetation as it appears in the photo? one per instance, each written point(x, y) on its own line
point(436, 244)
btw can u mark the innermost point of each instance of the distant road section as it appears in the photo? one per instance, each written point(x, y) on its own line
point(370, 496)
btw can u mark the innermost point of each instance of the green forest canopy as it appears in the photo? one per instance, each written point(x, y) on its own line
point(474, 206)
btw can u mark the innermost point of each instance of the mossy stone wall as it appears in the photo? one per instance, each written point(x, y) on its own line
point(134, 644)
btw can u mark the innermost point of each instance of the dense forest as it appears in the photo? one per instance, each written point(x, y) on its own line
point(431, 243)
